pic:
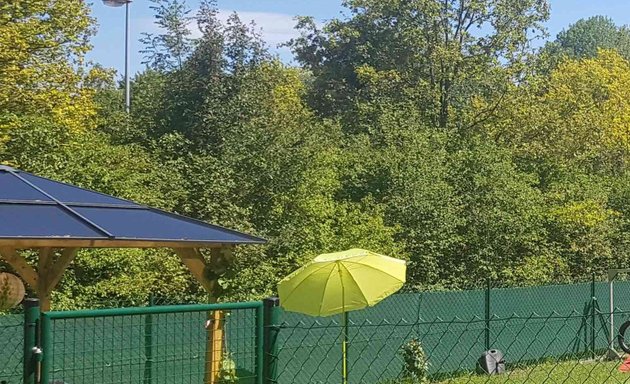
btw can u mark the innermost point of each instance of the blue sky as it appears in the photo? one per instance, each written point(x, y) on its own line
point(276, 18)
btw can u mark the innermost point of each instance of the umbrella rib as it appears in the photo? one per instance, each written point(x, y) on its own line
point(321, 300)
point(356, 283)
point(376, 269)
point(303, 280)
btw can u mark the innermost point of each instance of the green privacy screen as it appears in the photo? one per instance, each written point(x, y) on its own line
point(527, 324)
point(167, 344)
point(11, 336)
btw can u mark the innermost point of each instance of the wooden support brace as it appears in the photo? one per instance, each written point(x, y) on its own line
point(50, 272)
point(214, 357)
point(45, 258)
point(21, 267)
point(54, 274)
point(200, 270)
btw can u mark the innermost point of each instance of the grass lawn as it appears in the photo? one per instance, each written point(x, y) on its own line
point(592, 372)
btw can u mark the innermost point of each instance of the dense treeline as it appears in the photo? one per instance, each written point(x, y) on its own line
point(429, 130)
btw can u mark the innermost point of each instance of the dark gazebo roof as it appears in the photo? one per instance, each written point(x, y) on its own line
point(39, 212)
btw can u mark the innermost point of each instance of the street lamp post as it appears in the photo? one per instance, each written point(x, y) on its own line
point(120, 3)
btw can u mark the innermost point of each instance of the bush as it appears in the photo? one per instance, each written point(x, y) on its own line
point(228, 375)
point(416, 365)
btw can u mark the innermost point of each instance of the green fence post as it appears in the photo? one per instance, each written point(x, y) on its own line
point(593, 313)
point(31, 321)
point(260, 340)
point(148, 344)
point(47, 348)
point(272, 329)
point(487, 315)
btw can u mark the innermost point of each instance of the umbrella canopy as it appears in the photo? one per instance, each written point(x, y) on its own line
point(39, 212)
point(343, 281)
point(339, 282)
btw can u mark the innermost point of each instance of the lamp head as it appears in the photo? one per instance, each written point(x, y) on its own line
point(116, 3)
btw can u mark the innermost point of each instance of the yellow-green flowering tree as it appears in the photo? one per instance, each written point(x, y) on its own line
point(578, 116)
point(42, 68)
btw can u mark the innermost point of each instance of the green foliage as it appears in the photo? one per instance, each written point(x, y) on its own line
point(42, 69)
point(502, 211)
point(168, 50)
point(415, 363)
point(584, 38)
point(402, 166)
point(227, 374)
point(427, 130)
point(572, 119)
point(442, 54)
point(123, 278)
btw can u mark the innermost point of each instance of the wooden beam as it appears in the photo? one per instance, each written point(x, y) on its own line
point(55, 273)
point(214, 346)
point(197, 265)
point(21, 267)
point(23, 243)
point(50, 274)
point(46, 257)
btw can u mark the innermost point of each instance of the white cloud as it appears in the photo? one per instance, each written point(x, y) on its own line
point(276, 28)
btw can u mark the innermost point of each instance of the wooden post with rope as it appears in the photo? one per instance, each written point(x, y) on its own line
point(207, 274)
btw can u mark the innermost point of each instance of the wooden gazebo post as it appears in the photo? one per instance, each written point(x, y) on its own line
point(207, 275)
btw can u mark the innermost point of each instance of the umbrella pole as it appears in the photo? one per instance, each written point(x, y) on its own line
point(344, 329)
point(344, 349)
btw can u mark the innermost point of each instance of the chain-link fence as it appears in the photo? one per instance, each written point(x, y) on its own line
point(160, 344)
point(12, 332)
point(554, 333)
point(12, 341)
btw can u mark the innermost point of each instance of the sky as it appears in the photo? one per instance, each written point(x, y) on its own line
point(276, 19)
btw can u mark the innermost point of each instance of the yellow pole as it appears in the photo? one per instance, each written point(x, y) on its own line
point(344, 320)
point(344, 348)
point(214, 348)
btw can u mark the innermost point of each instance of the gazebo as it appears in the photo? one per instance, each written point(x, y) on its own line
point(56, 219)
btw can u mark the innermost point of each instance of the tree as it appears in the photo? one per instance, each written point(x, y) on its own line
point(401, 166)
point(168, 50)
point(503, 217)
point(577, 117)
point(207, 78)
point(254, 157)
point(42, 69)
point(584, 38)
point(441, 53)
point(584, 225)
point(569, 127)
point(285, 168)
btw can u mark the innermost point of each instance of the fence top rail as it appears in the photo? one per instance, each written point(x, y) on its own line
point(91, 313)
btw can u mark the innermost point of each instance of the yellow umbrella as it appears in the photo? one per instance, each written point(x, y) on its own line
point(339, 282)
